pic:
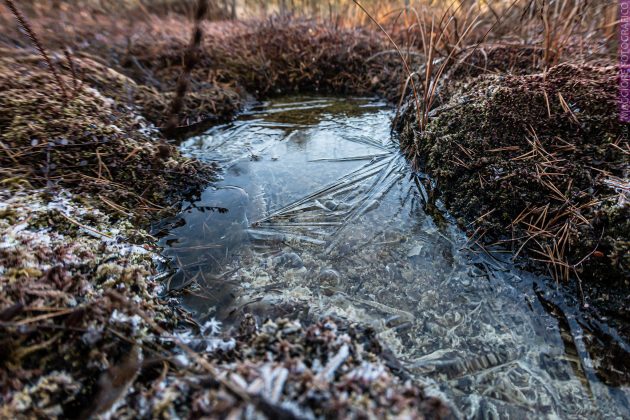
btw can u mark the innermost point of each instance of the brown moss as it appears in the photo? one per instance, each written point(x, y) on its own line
point(537, 157)
point(89, 143)
point(277, 56)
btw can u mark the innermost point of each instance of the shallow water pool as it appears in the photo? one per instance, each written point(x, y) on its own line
point(318, 213)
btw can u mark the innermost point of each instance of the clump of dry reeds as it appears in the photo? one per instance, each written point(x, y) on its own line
point(455, 35)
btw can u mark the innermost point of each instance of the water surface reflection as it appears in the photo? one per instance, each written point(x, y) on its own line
point(318, 213)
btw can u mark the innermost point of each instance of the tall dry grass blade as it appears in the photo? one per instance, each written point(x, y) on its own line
point(40, 47)
point(73, 70)
point(402, 57)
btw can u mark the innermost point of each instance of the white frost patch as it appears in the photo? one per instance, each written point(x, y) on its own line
point(18, 228)
point(215, 344)
point(203, 342)
point(118, 317)
point(132, 250)
point(181, 360)
point(328, 373)
point(212, 327)
point(367, 372)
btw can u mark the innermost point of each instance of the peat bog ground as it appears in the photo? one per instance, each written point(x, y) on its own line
point(508, 110)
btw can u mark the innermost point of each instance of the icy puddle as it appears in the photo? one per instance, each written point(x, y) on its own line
point(318, 213)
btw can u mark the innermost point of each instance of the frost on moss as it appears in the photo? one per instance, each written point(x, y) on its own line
point(89, 143)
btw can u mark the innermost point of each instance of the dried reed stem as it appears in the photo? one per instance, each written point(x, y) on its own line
point(73, 70)
point(40, 48)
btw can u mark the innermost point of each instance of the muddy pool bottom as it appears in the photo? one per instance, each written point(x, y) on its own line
point(319, 214)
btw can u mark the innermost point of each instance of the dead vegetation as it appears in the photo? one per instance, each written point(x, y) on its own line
point(83, 333)
point(531, 155)
point(542, 158)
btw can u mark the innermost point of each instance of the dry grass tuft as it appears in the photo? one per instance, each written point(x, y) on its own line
point(281, 55)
